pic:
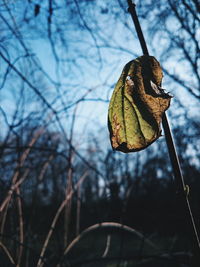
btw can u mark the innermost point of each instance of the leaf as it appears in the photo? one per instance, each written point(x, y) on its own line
point(137, 105)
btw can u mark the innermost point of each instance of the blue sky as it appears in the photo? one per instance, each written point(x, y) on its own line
point(88, 68)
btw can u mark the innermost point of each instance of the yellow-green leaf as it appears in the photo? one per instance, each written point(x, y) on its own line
point(137, 105)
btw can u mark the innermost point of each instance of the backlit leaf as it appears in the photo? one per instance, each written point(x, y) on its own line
point(137, 105)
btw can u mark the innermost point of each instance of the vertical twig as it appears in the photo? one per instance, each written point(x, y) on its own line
point(5, 204)
point(178, 177)
point(67, 214)
point(78, 210)
point(44, 168)
point(40, 178)
point(51, 229)
point(16, 174)
point(21, 227)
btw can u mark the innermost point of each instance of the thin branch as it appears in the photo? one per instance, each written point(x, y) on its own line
point(5, 204)
point(21, 227)
point(28, 83)
point(180, 82)
point(88, 29)
point(78, 210)
point(14, 188)
point(7, 253)
point(178, 177)
point(44, 168)
point(107, 225)
point(63, 204)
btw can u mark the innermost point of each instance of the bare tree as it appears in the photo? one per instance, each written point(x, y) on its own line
point(59, 63)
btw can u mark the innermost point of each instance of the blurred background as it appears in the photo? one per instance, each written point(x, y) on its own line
point(60, 61)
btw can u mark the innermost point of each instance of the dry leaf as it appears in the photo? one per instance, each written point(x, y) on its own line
point(137, 105)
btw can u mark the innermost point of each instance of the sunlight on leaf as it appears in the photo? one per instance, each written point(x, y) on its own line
point(137, 105)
